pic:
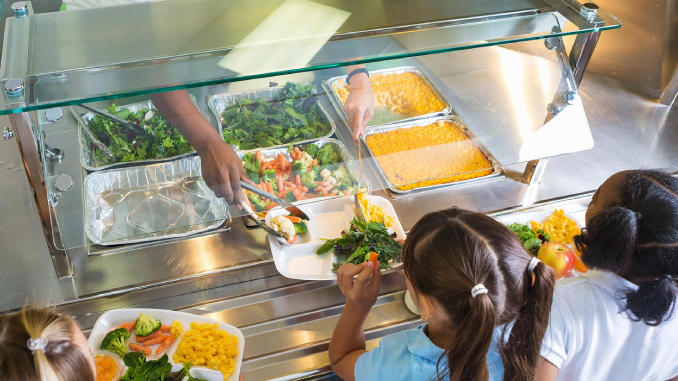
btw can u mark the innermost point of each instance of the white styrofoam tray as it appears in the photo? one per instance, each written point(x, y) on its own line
point(327, 220)
point(114, 318)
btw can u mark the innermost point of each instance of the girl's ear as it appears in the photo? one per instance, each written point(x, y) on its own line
point(427, 306)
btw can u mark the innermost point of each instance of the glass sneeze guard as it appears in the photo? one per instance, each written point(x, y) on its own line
point(108, 53)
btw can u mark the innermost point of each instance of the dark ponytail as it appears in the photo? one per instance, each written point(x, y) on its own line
point(521, 353)
point(449, 252)
point(638, 239)
point(468, 361)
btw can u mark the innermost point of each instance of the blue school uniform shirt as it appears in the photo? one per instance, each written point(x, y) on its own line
point(410, 355)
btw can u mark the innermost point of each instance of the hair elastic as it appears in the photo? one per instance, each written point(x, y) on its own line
point(478, 289)
point(533, 263)
point(38, 344)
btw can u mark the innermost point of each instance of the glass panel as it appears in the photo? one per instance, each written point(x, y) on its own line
point(114, 52)
point(439, 120)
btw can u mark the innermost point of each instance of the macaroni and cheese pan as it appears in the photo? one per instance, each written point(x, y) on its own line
point(401, 94)
point(427, 154)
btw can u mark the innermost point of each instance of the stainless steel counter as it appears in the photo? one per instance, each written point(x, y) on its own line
point(287, 323)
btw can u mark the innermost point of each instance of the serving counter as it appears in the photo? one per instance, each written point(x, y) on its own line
point(505, 74)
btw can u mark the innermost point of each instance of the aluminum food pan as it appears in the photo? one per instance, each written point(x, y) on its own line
point(330, 88)
point(345, 156)
point(220, 102)
point(149, 203)
point(496, 166)
point(88, 157)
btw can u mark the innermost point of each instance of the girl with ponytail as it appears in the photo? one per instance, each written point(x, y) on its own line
point(38, 344)
point(484, 299)
point(617, 321)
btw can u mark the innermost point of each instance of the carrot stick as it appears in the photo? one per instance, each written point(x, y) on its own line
point(324, 192)
point(329, 187)
point(293, 239)
point(155, 340)
point(297, 151)
point(304, 189)
point(258, 155)
point(346, 192)
point(298, 180)
point(124, 325)
point(288, 183)
point(296, 192)
point(165, 344)
point(334, 192)
point(141, 339)
point(315, 162)
point(140, 348)
point(280, 182)
point(164, 328)
point(294, 219)
point(374, 257)
point(271, 206)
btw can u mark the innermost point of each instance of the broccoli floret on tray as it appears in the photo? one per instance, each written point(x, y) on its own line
point(115, 341)
point(146, 325)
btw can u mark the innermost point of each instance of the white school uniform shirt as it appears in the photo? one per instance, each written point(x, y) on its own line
point(590, 338)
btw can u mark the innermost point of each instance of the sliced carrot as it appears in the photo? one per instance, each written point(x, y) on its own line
point(334, 192)
point(164, 328)
point(165, 344)
point(374, 257)
point(155, 340)
point(124, 325)
point(293, 239)
point(141, 339)
point(294, 219)
point(140, 348)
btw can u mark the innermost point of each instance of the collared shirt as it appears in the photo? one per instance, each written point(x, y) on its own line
point(590, 337)
point(410, 355)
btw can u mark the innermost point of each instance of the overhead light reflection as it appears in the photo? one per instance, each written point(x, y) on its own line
point(512, 69)
point(288, 38)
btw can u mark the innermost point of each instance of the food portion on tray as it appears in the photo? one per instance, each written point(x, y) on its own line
point(291, 114)
point(155, 342)
point(552, 241)
point(289, 227)
point(303, 172)
point(363, 241)
point(425, 155)
point(399, 93)
point(336, 235)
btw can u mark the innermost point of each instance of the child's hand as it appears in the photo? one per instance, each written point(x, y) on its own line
point(359, 293)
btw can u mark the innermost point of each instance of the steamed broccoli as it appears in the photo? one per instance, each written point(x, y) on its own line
point(327, 155)
point(290, 197)
point(300, 228)
point(343, 177)
point(253, 176)
point(115, 341)
point(298, 167)
point(270, 176)
point(308, 179)
point(146, 325)
point(259, 203)
point(312, 149)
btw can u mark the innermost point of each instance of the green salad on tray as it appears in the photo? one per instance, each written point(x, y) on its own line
point(164, 141)
point(296, 116)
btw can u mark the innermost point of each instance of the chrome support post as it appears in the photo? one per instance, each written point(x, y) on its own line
point(671, 91)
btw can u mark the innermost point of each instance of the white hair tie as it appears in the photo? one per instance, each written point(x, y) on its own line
point(38, 344)
point(533, 263)
point(477, 290)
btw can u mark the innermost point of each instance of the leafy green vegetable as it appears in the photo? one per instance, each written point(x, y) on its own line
point(359, 240)
point(258, 124)
point(327, 155)
point(531, 241)
point(126, 146)
point(138, 369)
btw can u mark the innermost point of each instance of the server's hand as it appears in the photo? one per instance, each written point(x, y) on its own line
point(222, 170)
point(359, 106)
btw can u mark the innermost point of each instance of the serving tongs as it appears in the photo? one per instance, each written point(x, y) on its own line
point(262, 225)
point(93, 138)
point(118, 120)
point(282, 202)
